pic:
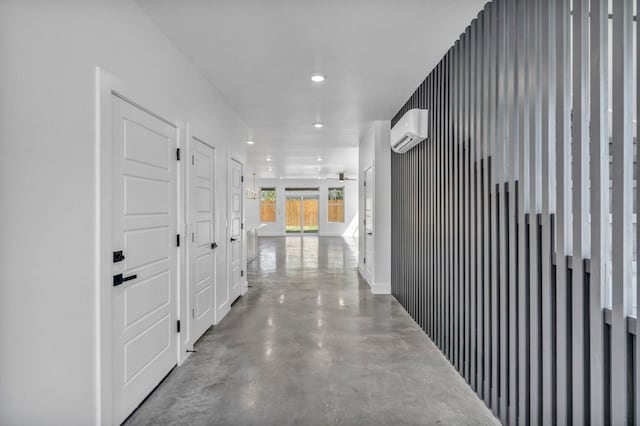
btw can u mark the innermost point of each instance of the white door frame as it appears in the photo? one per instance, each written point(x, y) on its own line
point(190, 296)
point(106, 86)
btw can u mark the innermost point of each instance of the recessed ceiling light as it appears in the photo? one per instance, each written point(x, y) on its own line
point(270, 169)
point(250, 142)
point(269, 159)
point(318, 125)
point(319, 158)
point(317, 77)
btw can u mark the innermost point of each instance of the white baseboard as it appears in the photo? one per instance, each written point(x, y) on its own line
point(380, 288)
point(376, 288)
point(184, 356)
point(361, 271)
point(284, 234)
point(222, 312)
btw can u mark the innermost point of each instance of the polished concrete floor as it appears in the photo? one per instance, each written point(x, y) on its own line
point(309, 345)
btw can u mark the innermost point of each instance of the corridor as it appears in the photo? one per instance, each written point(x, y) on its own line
point(309, 345)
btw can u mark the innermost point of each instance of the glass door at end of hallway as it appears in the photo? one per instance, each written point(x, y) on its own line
point(302, 215)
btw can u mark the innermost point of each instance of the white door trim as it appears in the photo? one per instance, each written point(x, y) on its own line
point(106, 86)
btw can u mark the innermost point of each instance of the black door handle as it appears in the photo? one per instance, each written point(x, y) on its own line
point(233, 239)
point(214, 245)
point(369, 233)
point(118, 279)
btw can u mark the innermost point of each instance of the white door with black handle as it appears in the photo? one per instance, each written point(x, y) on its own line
point(144, 245)
point(203, 244)
point(236, 271)
point(368, 225)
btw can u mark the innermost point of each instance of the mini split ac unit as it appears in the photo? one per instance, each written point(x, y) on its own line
point(410, 130)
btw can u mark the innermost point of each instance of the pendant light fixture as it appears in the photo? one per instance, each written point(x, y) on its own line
point(253, 193)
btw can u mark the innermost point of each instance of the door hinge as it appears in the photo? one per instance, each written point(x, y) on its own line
point(178, 154)
point(178, 326)
point(365, 183)
point(241, 178)
point(193, 312)
point(193, 237)
point(193, 160)
point(242, 273)
point(364, 260)
point(242, 226)
point(178, 240)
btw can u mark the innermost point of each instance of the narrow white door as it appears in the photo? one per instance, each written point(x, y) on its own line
point(368, 224)
point(144, 260)
point(235, 230)
point(203, 244)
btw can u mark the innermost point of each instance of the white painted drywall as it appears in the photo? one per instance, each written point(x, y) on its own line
point(48, 54)
point(325, 228)
point(375, 152)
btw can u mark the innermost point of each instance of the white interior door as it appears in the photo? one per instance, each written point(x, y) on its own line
point(368, 223)
point(236, 272)
point(203, 245)
point(144, 231)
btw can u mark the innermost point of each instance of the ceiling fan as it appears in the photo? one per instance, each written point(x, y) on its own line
point(341, 177)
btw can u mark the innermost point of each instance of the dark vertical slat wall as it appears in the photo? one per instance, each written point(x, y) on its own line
point(563, 212)
point(622, 209)
point(514, 223)
point(599, 177)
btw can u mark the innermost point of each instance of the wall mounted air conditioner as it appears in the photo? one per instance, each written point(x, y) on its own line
point(410, 130)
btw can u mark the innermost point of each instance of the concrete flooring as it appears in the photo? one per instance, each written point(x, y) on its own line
point(309, 345)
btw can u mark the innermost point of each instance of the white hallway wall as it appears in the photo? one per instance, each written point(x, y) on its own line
point(375, 152)
point(48, 54)
point(325, 228)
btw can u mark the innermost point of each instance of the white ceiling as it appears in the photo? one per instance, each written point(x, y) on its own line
point(260, 55)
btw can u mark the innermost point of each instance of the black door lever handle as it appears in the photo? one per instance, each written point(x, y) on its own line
point(233, 239)
point(118, 279)
point(214, 245)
